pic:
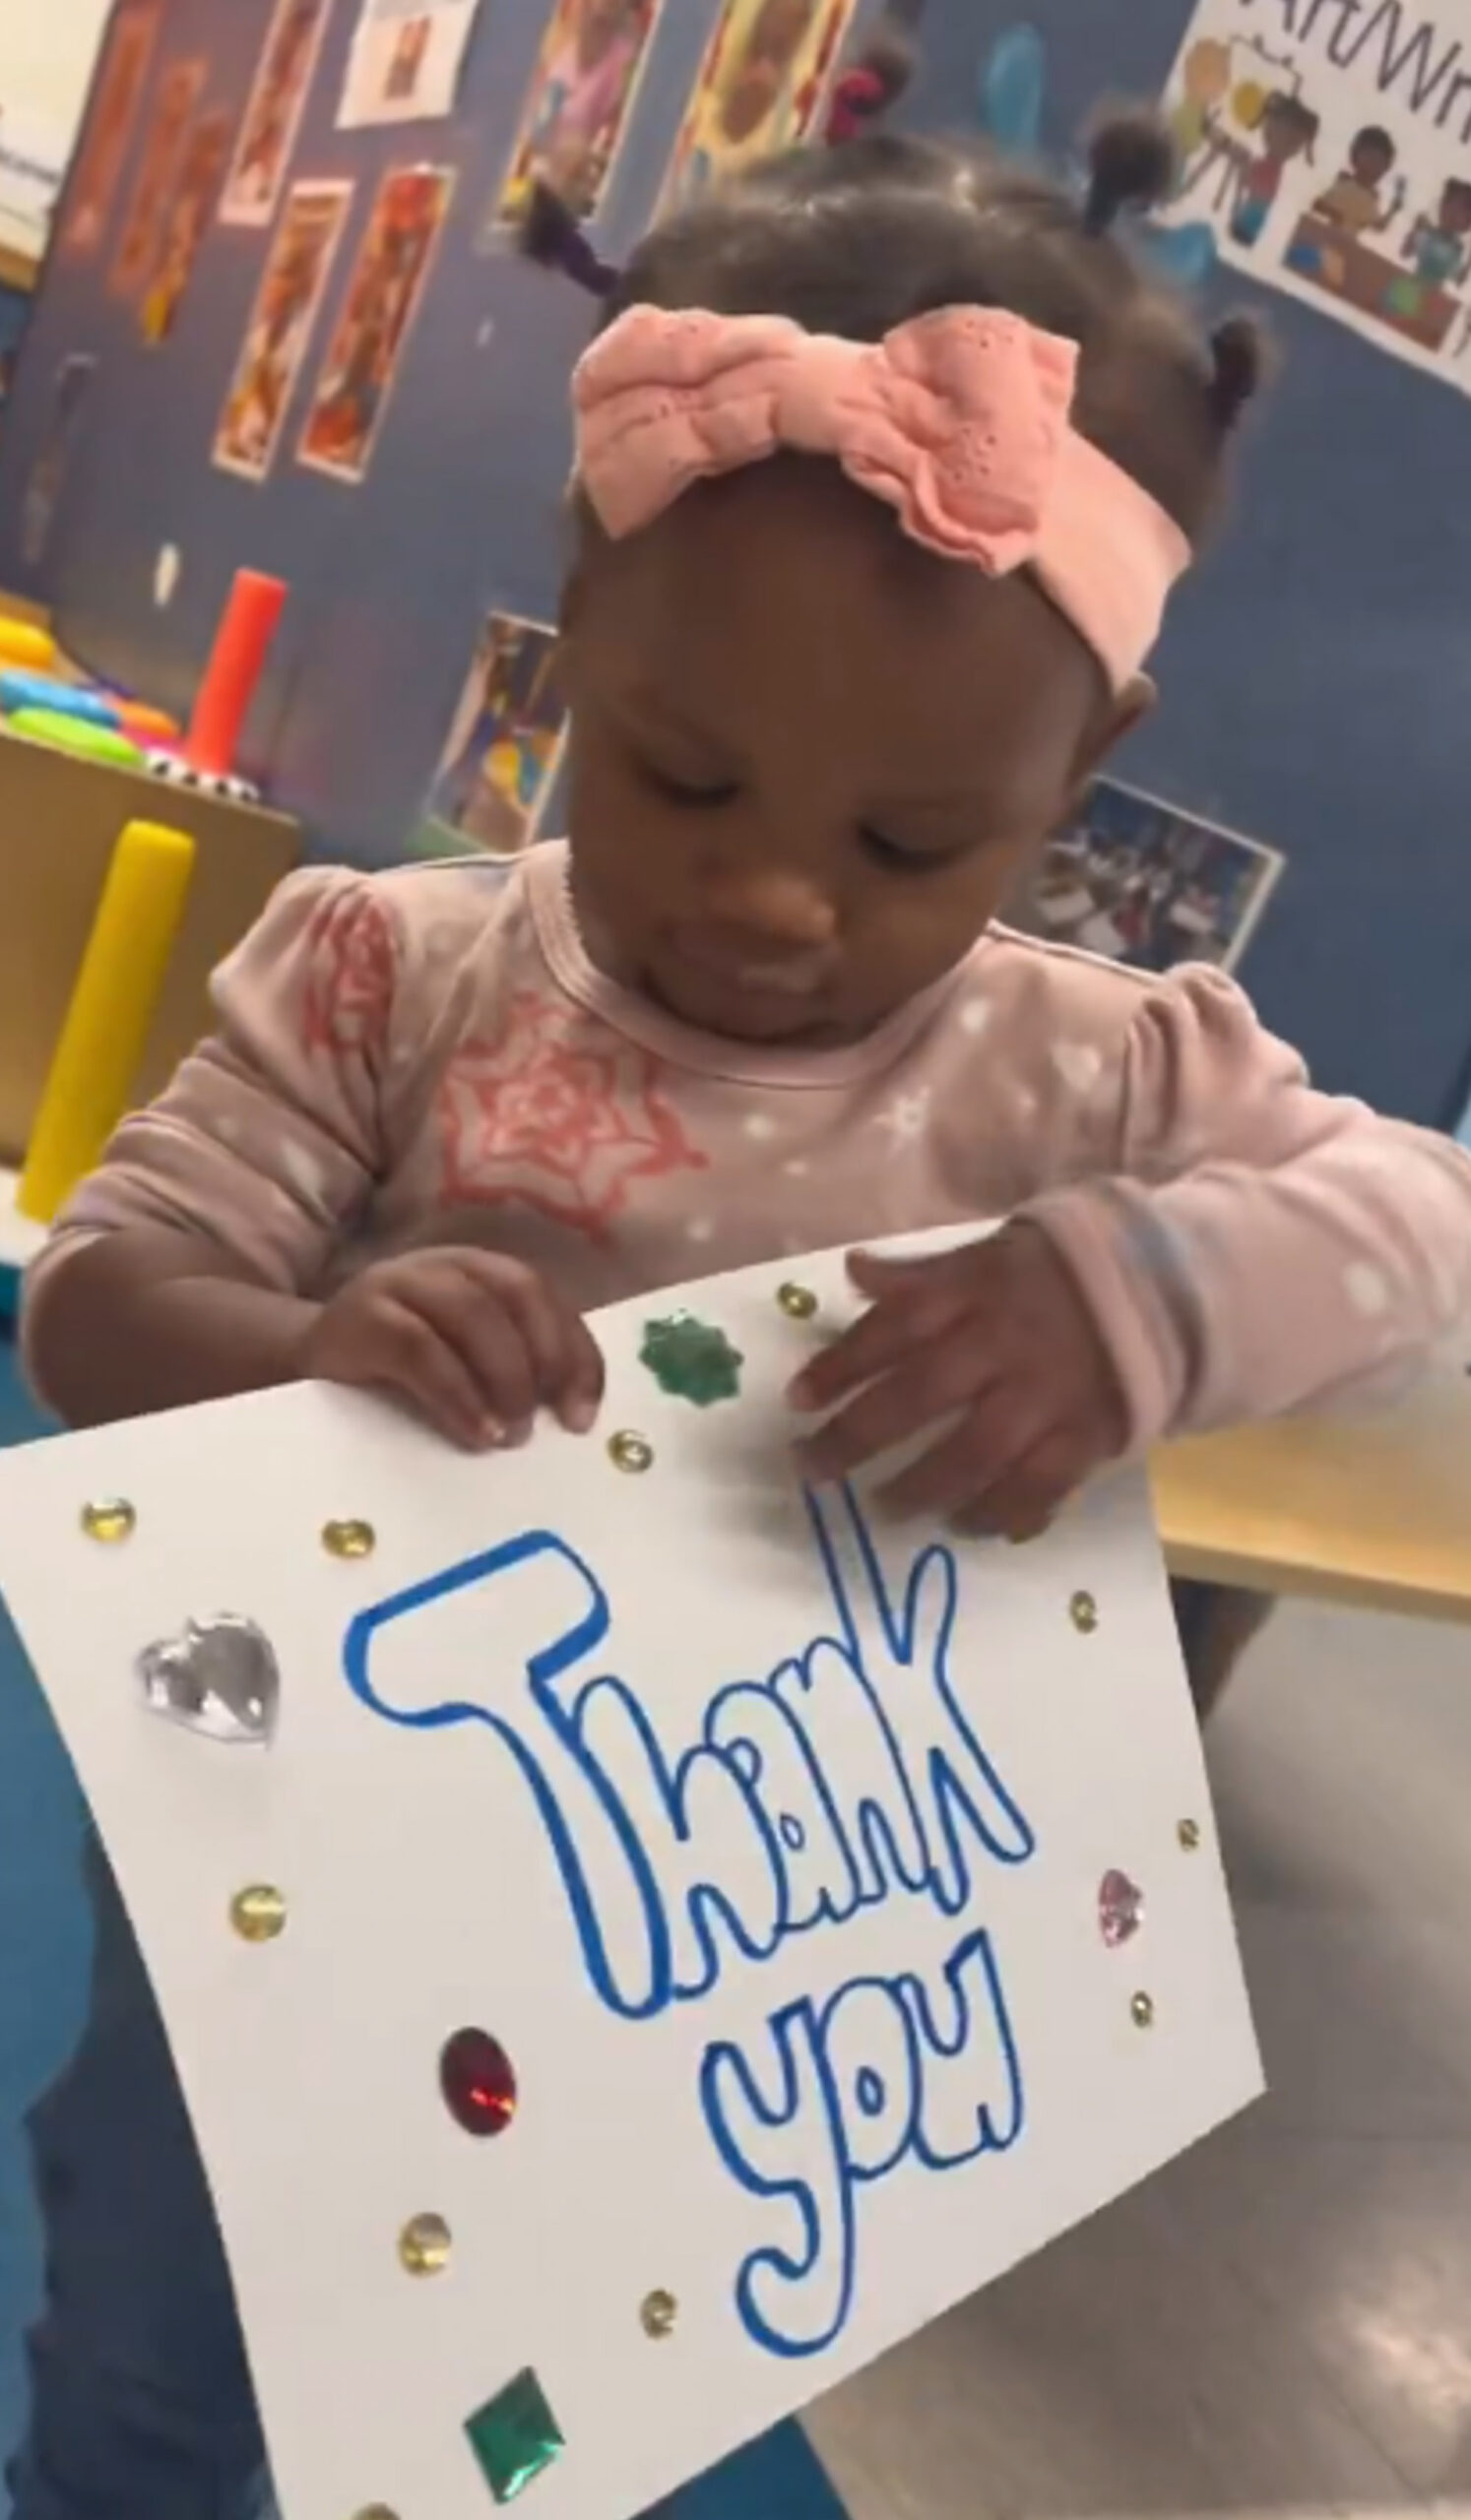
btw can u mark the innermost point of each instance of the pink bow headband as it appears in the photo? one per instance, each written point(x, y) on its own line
point(958, 419)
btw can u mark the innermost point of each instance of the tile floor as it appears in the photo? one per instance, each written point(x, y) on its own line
point(1282, 2323)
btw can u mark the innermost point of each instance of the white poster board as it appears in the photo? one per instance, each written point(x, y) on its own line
point(1326, 142)
point(405, 62)
point(845, 1901)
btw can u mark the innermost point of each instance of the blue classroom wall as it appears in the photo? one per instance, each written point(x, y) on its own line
point(1317, 677)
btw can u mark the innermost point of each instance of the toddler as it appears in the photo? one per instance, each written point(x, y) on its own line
point(886, 461)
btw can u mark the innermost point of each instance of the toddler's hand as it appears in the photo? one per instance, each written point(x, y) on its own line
point(474, 1342)
point(994, 1338)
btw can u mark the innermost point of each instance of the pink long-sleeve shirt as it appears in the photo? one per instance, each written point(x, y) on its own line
point(429, 1056)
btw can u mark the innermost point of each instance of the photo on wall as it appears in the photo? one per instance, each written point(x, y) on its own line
point(178, 90)
point(367, 348)
point(578, 107)
point(1328, 153)
point(187, 212)
point(500, 755)
point(116, 99)
point(273, 114)
point(406, 61)
point(279, 327)
point(760, 84)
point(1137, 880)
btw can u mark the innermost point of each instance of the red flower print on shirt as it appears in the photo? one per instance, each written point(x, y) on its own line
point(351, 970)
point(559, 1116)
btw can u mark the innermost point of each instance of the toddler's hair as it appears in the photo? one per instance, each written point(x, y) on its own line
point(858, 240)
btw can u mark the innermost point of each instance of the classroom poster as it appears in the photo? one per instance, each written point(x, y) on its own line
point(163, 145)
point(70, 388)
point(762, 80)
point(405, 60)
point(116, 99)
point(273, 114)
point(187, 212)
point(578, 106)
point(1328, 145)
point(35, 148)
point(1136, 879)
point(279, 327)
point(363, 357)
point(500, 754)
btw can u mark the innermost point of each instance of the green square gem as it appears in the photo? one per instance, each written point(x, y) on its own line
point(515, 2436)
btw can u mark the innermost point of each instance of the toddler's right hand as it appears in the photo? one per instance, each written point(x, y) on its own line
point(474, 1342)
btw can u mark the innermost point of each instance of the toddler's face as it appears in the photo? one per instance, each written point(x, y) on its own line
point(807, 758)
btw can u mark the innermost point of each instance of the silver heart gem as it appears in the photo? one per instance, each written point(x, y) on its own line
point(220, 1678)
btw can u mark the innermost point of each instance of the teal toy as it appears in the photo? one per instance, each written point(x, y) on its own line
point(22, 690)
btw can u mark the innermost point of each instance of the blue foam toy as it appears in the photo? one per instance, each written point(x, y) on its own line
point(22, 690)
point(1013, 87)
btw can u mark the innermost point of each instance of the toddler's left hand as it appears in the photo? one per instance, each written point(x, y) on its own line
point(994, 1338)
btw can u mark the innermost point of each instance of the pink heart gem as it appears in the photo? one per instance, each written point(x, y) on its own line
point(1120, 1909)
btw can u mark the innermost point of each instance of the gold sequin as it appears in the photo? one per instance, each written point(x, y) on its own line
point(109, 1519)
point(1083, 1610)
point(349, 1539)
point(799, 1304)
point(258, 1912)
point(1189, 1834)
point(424, 2244)
point(375, 2511)
point(658, 2313)
point(1141, 2010)
point(630, 1452)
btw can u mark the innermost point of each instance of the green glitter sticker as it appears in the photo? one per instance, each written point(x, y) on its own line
point(515, 2436)
point(692, 1360)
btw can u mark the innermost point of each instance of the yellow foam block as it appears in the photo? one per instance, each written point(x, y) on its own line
point(105, 1028)
point(22, 643)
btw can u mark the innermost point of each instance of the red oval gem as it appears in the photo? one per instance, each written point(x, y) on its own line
point(478, 2082)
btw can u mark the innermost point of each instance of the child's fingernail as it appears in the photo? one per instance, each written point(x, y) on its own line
point(490, 1431)
point(579, 1417)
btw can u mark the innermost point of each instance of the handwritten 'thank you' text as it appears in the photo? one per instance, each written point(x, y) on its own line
point(848, 1777)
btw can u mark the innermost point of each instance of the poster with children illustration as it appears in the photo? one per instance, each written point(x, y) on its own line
point(118, 93)
point(578, 106)
point(1326, 141)
point(500, 754)
point(762, 79)
point(639, 1934)
point(187, 213)
point(279, 327)
point(164, 146)
point(1137, 880)
point(367, 342)
point(273, 114)
point(405, 62)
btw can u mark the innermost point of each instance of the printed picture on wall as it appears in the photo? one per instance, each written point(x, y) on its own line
point(187, 212)
point(273, 114)
point(115, 100)
point(1327, 149)
point(760, 84)
point(367, 343)
point(405, 60)
point(578, 105)
point(280, 327)
point(501, 751)
point(1136, 879)
point(177, 94)
point(42, 492)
